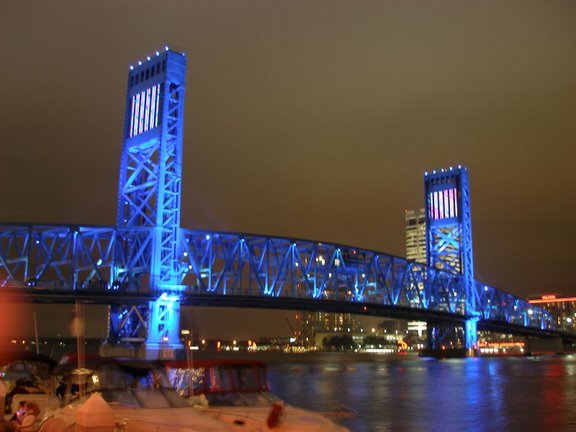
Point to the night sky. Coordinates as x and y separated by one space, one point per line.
309 119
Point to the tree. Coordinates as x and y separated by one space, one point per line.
339 343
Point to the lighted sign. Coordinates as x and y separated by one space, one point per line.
551 298
144 110
443 204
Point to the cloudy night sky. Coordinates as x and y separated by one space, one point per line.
309 119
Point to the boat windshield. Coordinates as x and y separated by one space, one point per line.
132 385
223 385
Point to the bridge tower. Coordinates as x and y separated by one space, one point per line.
449 242
149 197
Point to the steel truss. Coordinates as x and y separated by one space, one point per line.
81 260
449 237
149 192
151 160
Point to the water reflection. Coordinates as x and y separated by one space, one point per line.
412 394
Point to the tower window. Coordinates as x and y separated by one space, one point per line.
144 110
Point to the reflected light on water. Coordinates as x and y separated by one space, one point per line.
412 394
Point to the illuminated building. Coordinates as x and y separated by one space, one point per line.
314 323
416 251
563 308
416 235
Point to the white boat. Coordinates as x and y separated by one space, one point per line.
237 392
138 394
24 375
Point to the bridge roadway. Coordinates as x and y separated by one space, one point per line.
110 265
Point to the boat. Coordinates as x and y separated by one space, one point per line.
236 392
25 375
137 393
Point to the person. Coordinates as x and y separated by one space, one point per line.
61 390
29 419
19 414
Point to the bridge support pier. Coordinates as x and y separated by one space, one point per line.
471 334
149 331
450 340
164 329
444 340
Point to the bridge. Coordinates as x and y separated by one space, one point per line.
147 266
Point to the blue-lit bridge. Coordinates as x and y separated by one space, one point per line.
53 263
146 266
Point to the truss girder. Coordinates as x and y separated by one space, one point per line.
444 247
118 258
128 323
72 257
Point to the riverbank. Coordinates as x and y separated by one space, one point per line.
57 348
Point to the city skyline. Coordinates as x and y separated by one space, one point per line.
311 121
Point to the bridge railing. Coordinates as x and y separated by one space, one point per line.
118 259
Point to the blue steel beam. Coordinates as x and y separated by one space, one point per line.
81 260
449 238
150 178
149 191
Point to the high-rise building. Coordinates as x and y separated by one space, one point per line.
416 235
416 251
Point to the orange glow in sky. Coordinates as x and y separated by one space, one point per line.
14 319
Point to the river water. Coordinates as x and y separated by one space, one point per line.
408 393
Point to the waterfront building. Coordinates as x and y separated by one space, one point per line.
563 308
393 327
315 323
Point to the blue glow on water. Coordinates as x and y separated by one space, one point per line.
406 393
